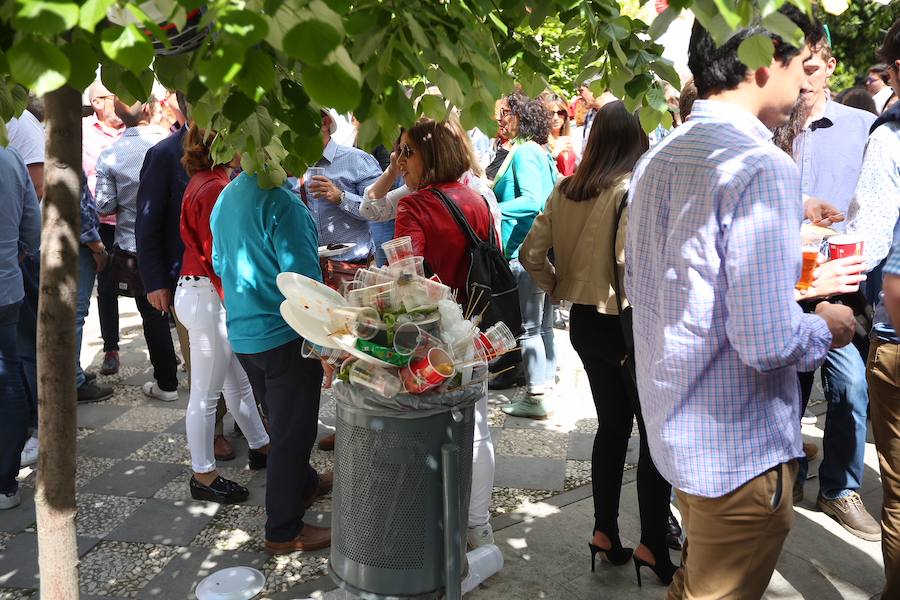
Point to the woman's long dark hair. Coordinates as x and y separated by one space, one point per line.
616 143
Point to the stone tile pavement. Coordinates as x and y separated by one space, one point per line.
140 535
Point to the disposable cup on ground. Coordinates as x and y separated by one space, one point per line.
496 340
397 249
375 378
427 372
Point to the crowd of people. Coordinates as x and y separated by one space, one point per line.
678 255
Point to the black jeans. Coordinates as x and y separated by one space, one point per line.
27 333
597 338
13 404
159 343
289 387
107 297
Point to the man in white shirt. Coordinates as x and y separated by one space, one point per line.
876 84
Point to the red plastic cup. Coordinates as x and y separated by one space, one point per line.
427 372
496 340
840 246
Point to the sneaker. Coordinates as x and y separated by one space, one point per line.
8 501
531 407
479 536
809 418
94 392
110 364
852 515
30 452
152 389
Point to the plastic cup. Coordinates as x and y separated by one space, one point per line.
840 246
330 355
427 372
371 329
374 378
368 277
412 265
810 245
410 337
398 249
382 296
344 319
307 180
496 340
417 291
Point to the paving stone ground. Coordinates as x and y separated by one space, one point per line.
140 535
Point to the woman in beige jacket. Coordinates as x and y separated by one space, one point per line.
579 224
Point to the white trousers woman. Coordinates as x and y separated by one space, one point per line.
214 370
480 532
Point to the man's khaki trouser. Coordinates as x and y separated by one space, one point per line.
883 376
734 541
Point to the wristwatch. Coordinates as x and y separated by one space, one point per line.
341 199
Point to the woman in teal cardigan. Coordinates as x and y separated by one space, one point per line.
522 186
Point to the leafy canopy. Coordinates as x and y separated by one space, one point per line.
267 66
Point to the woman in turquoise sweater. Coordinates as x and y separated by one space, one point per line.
522 186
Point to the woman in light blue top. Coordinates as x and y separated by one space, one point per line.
522 186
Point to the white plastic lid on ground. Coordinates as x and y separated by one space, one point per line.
234 583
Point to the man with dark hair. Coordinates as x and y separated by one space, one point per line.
827 141
874 215
877 86
718 335
118 169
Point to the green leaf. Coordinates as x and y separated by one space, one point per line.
756 51
174 72
416 30
662 21
257 76
616 29
128 46
7 111
728 13
311 41
337 83
237 108
83 64
244 26
649 118
570 42
664 68
48 18
222 66
399 106
433 107
449 86
145 20
784 28
39 65
638 85
656 98
130 88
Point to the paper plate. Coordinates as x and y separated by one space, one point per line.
309 294
308 325
324 252
235 583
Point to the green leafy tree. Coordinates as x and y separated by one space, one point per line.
259 79
855 35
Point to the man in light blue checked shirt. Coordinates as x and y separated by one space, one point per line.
713 255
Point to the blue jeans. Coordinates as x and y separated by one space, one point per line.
87 274
381 232
844 442
13 403
538 352
26 344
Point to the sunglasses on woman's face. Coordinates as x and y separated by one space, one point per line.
562 113
406 151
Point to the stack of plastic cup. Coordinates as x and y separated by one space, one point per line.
330 355
411 265
398 249
496 340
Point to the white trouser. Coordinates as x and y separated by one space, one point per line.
214 369
482 467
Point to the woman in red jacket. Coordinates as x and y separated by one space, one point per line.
432 156
560 139
198 304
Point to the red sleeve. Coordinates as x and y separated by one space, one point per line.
408 222
565 163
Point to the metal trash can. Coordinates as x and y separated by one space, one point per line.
387 535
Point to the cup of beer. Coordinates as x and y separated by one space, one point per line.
810 244
848 244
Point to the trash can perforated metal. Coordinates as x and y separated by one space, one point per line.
387 525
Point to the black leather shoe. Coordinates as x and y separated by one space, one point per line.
223 491
257 460
89 377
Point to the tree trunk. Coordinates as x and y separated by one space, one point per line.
55 497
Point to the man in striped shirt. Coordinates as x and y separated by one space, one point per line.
713 255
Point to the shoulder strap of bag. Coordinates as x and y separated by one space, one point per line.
622 204
461 220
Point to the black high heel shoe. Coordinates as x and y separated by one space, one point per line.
615 555
665 571
257 460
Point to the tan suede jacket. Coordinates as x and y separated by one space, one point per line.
581 235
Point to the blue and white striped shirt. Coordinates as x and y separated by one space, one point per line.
352 170
712 257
